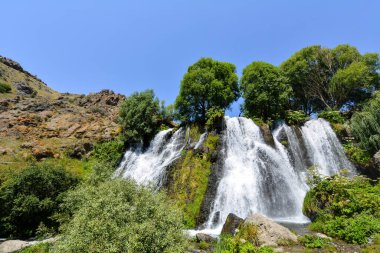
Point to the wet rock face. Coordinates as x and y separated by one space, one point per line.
232 223
376 159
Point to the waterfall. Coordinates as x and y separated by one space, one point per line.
272 180
257 177
149 167
324 148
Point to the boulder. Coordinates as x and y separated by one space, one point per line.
269 233
201 237
376 159
12 245
42 152
24 89
231 224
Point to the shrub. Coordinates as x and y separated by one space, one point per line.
236 245
31 197
119 216
334 117
296 117
345 208
313 241
214 118
110 152
366 125
5 88
357 155
38 248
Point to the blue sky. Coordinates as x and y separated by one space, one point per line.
83 46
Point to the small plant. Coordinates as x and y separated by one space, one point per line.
5 88
313 241
296 117
334 117
204 245
109 152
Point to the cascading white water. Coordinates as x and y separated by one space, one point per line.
149 167
324 148
257 177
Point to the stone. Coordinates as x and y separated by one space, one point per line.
42 152
201 237
12 245
269 233
376 159
231 224
24 89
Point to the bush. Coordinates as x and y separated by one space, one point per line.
366 125
334 117
110 152
5 88
313 241
38 248
214 118
348 209
119 216
357 155
31 197
296 117
236 245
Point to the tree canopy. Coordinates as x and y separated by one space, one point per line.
207 84
331 78
140 116
266 92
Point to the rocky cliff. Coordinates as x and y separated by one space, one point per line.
37 121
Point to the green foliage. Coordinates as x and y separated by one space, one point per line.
214 118
140 116
207 84
120 216
31 197
332 116
345 208
358 155
266 92
228 244
5 88
189 179
314 242
109 152
296 117
366 125
204 245
38 248
331 78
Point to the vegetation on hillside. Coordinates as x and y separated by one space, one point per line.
29 199
5 88
344 208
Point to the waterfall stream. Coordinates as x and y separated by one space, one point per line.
267 178
149 167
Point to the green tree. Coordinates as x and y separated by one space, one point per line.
207 84
266 92
366 124
119 216
31 198
140 116
331 78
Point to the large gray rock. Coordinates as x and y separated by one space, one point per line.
12 245
376 159
201 237
269 233
231 224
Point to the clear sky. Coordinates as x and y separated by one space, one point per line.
83 46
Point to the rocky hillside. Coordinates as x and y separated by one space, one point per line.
38 122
